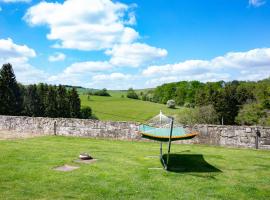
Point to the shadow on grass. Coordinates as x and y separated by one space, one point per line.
189 163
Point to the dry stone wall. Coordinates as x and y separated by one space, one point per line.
234 136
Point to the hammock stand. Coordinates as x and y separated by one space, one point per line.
165 138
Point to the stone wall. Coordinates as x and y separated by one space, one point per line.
69 127
234 136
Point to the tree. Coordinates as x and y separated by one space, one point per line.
102 92
32 102
11 100
42 90
250 114
51 102
86 113
62 102
74 103
132 94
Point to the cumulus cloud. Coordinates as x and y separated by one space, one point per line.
250 65
114 80
256 3
18 56
57 57
84 24
134 55
79 73
111 77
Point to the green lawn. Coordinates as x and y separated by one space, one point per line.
124 109
122 171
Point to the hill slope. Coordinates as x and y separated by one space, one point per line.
117 108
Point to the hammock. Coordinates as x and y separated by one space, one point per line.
163 134
163 129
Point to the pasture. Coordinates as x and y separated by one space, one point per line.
118 108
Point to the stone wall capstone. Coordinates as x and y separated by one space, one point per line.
233 136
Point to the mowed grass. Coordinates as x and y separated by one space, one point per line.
122 171
117 108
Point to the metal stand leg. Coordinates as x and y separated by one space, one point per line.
161 157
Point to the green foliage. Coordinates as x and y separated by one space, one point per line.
86 112
74 103
11 100
102 92
62 102
51 102
252 113
198 115
32 102
132 94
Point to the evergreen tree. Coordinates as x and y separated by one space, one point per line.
11 101
32 102
42 90
51 102
62 102
74 103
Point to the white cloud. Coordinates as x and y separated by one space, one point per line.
15 1
84 24
57 57
80 73
114 80
111 77
18 56
256 3
134 55
250 65
86 67
9 49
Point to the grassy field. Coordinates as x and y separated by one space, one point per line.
124 109
123 171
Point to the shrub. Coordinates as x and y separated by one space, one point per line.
198 115
171 103
251 114
132 94
86 113
102 92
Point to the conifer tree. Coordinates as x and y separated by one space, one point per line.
51 102
11 101
62 102
75 103
32 102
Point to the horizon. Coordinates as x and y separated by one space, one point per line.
121 44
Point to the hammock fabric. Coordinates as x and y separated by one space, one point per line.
163 134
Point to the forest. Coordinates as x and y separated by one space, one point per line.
41 100
235 102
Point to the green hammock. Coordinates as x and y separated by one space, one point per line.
163 134
163 129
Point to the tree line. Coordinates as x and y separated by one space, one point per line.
236 102
38 100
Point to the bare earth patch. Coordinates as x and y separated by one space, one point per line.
65 168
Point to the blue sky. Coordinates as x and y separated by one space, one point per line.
139 44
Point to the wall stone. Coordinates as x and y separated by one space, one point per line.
233 136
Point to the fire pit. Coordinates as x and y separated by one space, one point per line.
85 156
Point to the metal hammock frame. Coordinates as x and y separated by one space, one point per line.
165 163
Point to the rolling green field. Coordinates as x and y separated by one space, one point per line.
129 170
124 109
